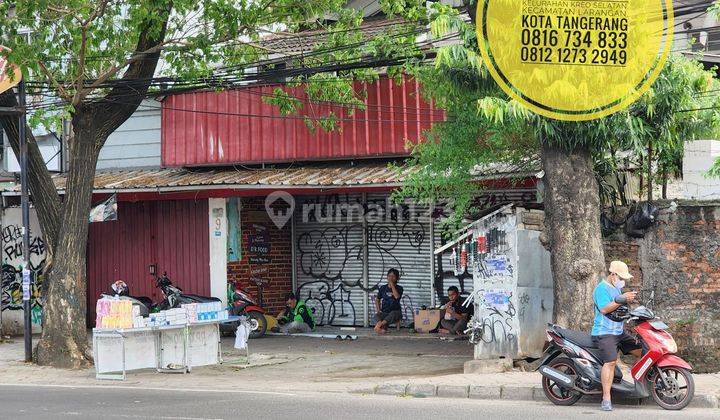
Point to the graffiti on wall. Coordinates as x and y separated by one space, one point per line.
495 323
331 258
12 261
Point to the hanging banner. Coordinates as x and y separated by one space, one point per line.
105 211
10 74
575 60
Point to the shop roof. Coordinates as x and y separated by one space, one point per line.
329 176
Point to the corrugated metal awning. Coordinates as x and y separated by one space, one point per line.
328 176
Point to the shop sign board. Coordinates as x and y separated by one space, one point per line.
552 56
10 74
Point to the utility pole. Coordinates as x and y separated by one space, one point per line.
25 205
11 76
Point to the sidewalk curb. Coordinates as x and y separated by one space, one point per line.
504 392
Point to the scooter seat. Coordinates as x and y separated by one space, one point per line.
580 338
585 341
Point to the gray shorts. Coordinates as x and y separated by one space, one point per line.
455 326
391 317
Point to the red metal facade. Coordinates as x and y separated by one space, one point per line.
237 126
172 234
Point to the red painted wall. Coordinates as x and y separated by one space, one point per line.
237 126
172 234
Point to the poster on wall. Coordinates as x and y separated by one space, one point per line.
258 248
234 252
105 211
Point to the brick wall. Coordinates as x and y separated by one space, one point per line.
679 259
273 266
627 252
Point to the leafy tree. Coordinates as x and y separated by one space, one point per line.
484 127
94 62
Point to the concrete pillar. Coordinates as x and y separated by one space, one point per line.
218 248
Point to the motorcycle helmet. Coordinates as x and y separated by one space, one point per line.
620 314
120 288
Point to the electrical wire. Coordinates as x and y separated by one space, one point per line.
273 117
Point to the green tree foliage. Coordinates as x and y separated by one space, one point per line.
486 131
77 47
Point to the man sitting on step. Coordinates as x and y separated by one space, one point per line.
456 315
296 317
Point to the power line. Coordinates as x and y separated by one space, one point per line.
283 117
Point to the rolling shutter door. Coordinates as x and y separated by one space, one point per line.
403 243
329 258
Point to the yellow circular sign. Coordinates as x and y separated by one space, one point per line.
575 60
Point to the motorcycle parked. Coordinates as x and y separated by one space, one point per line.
174 296
571 367
243 304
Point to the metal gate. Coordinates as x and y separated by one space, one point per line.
400 238
172 234
344 246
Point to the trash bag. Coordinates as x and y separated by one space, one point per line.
241 335
607 225
644 216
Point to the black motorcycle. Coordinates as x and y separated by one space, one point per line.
174 296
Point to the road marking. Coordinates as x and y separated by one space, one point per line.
150 388
131 416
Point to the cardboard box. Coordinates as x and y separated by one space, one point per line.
427 320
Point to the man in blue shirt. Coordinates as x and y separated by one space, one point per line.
609 335
387 303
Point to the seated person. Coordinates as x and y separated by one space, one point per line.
387 303
456 315
296 317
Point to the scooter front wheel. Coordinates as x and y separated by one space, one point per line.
553 391
673 388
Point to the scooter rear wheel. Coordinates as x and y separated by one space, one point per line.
676 392
258 324
553 391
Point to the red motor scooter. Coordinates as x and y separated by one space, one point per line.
571 367
242 303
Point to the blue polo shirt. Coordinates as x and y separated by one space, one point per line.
603 295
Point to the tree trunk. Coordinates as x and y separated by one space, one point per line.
572 218
64 341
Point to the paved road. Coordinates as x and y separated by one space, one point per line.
127 402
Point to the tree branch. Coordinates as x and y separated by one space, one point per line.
61 90
44 195
123 99
112 71
471 7
80 79
97 13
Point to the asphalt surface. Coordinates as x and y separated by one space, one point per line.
127 402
